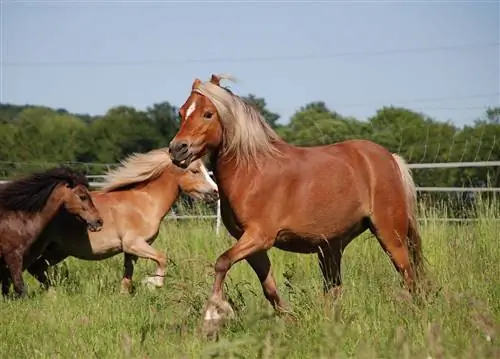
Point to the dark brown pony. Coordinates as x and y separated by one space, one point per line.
306 200
27 206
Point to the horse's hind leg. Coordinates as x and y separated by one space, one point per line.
330 257
391 232
261 265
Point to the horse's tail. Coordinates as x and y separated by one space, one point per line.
414 239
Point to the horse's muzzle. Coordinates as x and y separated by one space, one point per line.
95 226
212 196
180 153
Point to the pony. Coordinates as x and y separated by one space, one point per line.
312 200
27 206
134 199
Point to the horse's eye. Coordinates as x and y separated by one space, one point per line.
208 115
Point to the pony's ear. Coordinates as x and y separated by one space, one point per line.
196 83
215 80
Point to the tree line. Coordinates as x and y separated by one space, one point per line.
34 137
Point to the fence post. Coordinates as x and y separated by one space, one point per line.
218 220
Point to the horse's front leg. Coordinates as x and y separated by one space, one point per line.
14 262
140 248
5 279
218 309
129 261
39 268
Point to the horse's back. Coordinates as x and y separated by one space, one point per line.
330 188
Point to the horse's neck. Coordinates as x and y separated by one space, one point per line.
227 174
163 192
50 210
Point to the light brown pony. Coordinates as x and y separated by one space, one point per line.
134 200
299 199
27 205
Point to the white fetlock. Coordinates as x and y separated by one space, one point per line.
153 281
216 314
218 311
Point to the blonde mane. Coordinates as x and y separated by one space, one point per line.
137 168
246 134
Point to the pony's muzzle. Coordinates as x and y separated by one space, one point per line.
180 154
95 226
212 195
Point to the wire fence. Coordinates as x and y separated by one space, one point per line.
95 182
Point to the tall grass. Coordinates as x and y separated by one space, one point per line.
88 318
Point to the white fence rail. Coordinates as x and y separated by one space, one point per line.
217 216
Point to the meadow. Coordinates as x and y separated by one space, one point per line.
87 317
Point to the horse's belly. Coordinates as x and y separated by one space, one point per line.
298 243
94 248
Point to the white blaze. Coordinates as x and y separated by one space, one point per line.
190 109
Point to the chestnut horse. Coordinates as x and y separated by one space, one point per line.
134 200
27 205
298 199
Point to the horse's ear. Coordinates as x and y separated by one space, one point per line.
215 80
196 83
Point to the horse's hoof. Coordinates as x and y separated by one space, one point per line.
288 315
211 329
153 282
51 292
216 314
126 286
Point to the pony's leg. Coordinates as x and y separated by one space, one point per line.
142 249
261 265
5 279
5 285
330 257
39 270
128 271
14 262
392 236
252 241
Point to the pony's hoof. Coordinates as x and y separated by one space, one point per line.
126 287
288 315
51 292
216 315
153 282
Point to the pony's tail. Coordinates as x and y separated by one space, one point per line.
414 239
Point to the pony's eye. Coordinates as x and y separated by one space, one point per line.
208 115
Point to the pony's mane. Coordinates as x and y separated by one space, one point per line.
137 168
246 134
30 194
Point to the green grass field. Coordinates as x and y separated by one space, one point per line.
88 318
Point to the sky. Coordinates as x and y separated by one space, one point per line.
438 57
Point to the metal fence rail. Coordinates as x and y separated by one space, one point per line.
94 182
